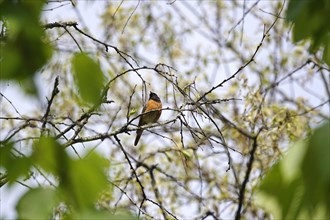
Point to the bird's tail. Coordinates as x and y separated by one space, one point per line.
138 135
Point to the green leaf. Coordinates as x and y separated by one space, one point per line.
15 166
132 112
186 153
326 53
96 214
311 22
282 184
294 8
299 185
85 182
316 169
5 155
88 77
50 156
80 180
20 166
23 52
168 156
37 204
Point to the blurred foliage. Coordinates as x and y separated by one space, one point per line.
16 166
298 186
311 21
80 181
23 49
89 78
37 203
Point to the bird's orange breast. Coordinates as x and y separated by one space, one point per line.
152 116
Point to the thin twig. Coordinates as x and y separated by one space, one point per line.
130 16
265 34
50 101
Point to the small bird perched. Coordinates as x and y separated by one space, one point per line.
154 107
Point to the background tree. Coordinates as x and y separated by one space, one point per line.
235 93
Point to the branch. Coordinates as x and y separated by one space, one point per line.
130 16
11 104
210 213
243 17
265 34
60 24
133 170
123 129
156 191
54 93
247 176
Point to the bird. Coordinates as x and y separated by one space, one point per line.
154 109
